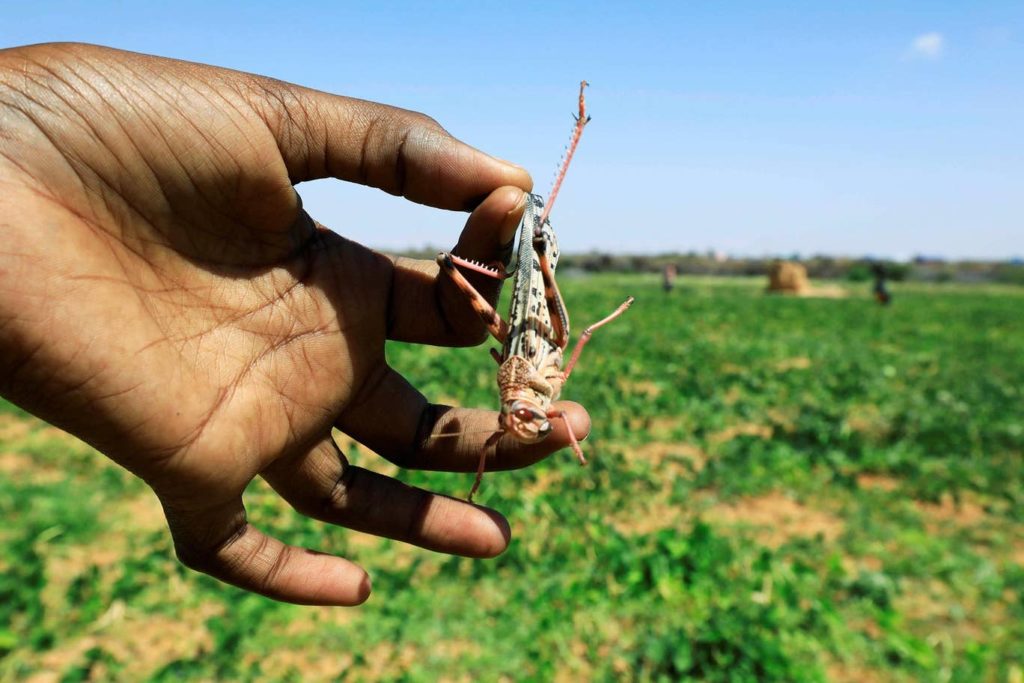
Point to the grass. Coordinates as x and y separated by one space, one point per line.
780 489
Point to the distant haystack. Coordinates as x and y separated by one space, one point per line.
786 277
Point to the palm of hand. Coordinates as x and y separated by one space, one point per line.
174 305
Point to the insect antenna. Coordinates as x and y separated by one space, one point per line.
582 119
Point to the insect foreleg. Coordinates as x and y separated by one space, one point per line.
495 325
491 441
573 443
585 337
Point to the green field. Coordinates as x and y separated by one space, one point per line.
779 489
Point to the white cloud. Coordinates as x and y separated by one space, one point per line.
927 46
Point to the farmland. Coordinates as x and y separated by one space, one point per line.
780 489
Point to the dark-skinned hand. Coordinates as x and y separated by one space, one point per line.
164 297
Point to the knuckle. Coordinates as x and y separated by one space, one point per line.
417 120
208 558
352 497
339 498
274 563
430 420
196 559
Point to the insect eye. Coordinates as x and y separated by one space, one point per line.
524 414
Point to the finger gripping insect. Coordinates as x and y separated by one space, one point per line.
536 334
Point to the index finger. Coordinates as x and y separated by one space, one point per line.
402 152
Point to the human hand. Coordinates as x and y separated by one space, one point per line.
164 297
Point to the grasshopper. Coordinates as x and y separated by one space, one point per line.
536 334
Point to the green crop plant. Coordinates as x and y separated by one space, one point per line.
779 488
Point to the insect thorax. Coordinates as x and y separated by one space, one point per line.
517 378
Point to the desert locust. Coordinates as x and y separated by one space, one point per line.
536 334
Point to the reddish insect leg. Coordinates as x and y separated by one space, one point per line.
495 325
585 337
553 297
573 443
491 441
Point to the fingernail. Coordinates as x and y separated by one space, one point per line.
520 203
365 588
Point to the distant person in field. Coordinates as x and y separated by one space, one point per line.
881 292
165 297
668 278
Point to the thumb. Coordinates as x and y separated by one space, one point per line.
401 152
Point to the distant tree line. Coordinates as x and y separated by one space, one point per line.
818 267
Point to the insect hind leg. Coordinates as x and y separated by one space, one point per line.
495 325
585 337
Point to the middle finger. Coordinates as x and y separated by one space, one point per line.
322 484
393 419
425 306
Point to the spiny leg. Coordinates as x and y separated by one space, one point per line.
495 325
491 441
573 443
585 337
552 295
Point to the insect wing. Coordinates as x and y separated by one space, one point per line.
529 319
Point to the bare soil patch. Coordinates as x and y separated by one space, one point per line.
649 514
310 664
795 363
826 292
732 395
868 420
934 607
783 417
654 511
1017 554
743 429
13 427
661 428
24 468
877 482
963 513
850 672
855 564
142 643
141 514
667 457
647 517
643 387
544 480
776 518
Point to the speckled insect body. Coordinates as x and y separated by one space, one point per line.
536 333
530 374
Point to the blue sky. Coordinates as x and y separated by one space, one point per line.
848 128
